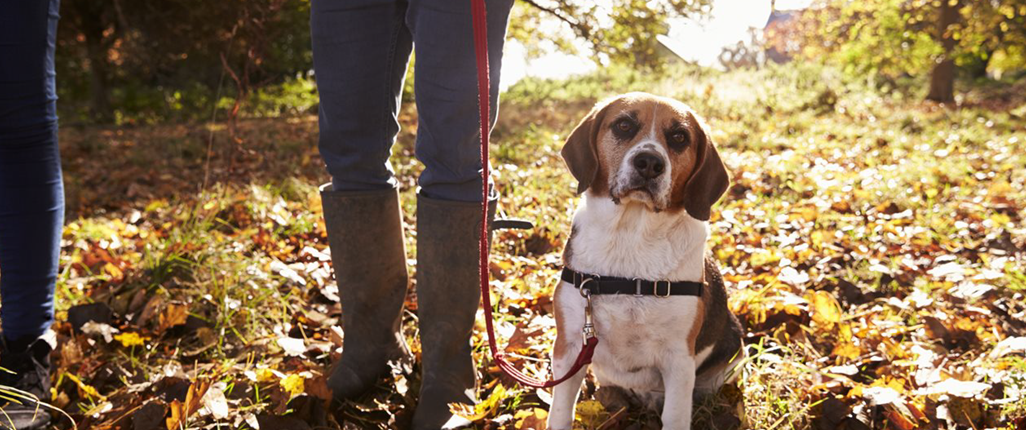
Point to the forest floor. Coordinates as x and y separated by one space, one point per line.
872 244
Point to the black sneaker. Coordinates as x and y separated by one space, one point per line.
24 381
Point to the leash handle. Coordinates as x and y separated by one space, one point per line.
483 100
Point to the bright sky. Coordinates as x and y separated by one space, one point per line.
700 41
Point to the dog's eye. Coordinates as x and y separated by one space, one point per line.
624 128
624 125
678 139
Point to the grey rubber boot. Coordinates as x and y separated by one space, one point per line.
365 232
448 293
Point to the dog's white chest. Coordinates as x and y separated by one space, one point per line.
638 335
632 242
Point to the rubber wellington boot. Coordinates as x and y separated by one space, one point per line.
25 380
448 293
365 232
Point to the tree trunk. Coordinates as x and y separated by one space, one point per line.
942 81
92 25
99 102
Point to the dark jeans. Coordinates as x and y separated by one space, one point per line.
361 49
31 187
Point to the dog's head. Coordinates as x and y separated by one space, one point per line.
641 148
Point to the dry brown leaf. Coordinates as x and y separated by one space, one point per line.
180 412
174 314
532 419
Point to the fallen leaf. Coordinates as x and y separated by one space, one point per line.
879 396
174 314
105 331
130 339
84 388
825 309
482 409
292 384
1010 345
591 413
292 346
791 276
181 411
287 272
531 419
954 387
214 403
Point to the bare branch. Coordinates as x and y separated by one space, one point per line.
580 28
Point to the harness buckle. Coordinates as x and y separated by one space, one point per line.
637 287
655 289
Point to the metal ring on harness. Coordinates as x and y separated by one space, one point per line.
584 291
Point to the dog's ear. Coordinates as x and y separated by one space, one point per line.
580 151
708 180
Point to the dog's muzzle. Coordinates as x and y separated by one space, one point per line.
646 173
648 165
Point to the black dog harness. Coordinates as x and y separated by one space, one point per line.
602 285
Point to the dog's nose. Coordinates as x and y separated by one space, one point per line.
649 165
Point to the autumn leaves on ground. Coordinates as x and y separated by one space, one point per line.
873 248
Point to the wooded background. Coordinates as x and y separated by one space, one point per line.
160 59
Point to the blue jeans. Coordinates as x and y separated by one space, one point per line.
360 52
31 186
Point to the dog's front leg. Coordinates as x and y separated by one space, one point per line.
570 309
564 396
679 383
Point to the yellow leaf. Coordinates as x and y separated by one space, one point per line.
893 383
1000 219
825 309
483 409
591 413
845 347
130 339
265 374
86 388
113 271
292 384
156 204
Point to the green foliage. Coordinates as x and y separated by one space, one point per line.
891 38
145 61
294 96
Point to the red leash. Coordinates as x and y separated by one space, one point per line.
483 94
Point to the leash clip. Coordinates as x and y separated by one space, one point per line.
589 325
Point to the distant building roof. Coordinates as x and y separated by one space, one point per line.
781 16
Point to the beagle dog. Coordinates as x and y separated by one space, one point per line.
636 264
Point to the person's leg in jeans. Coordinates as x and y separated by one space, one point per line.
361 49
31 201
449 200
